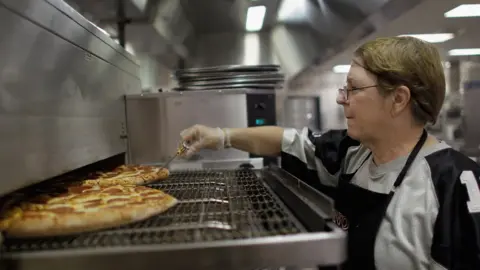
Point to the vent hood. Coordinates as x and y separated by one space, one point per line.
310 32
157 28
297 34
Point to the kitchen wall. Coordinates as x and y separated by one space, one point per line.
470 87
154 74
325 86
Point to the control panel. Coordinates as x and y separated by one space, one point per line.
261 111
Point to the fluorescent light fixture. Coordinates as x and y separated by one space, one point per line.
140 4
252 45
433 38
292 11
461 52
255 16
341 68
466 10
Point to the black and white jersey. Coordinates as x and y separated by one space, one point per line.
433 220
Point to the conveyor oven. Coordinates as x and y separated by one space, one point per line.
227 219
63 116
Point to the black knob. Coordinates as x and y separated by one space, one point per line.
260 106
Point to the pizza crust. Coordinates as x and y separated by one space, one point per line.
74 223
130 175
84 209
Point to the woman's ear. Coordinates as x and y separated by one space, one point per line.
400 100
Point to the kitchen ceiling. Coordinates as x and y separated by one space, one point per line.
320 29
465 29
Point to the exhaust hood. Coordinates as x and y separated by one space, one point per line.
320 29
297 34
155 27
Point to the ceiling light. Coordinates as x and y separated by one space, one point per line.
460 52
341 68
433 38
292 11
255 16
467 10
140 4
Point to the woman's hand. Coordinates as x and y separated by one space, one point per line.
262 141
200 137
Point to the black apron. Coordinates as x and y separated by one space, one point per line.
361 211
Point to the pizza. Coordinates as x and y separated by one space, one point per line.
83 208
129 175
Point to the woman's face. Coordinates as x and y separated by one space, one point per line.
365 109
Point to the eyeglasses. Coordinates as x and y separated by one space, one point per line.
343 92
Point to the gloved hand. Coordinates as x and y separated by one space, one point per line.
202 137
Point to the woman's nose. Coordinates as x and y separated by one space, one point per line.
341 99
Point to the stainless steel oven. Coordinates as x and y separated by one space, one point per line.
155 120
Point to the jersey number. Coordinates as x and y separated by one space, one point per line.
470 181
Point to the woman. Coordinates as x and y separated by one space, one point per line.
408 200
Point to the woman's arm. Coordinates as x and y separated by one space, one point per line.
300 150
263 141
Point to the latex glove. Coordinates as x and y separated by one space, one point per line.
201 137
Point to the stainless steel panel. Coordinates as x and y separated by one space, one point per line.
214 16
300 112
296 48
61 94
232 49
155 121
154 74
56 16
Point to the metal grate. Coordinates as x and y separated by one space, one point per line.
214 205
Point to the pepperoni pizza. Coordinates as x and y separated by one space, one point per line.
83 208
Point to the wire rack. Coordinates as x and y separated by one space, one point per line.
213 205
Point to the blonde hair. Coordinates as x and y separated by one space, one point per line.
410 62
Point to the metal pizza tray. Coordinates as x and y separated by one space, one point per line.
230 75
256 86
227 82
230 68
225 219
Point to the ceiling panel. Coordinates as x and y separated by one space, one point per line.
427 17
216 16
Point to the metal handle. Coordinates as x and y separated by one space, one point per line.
182 148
